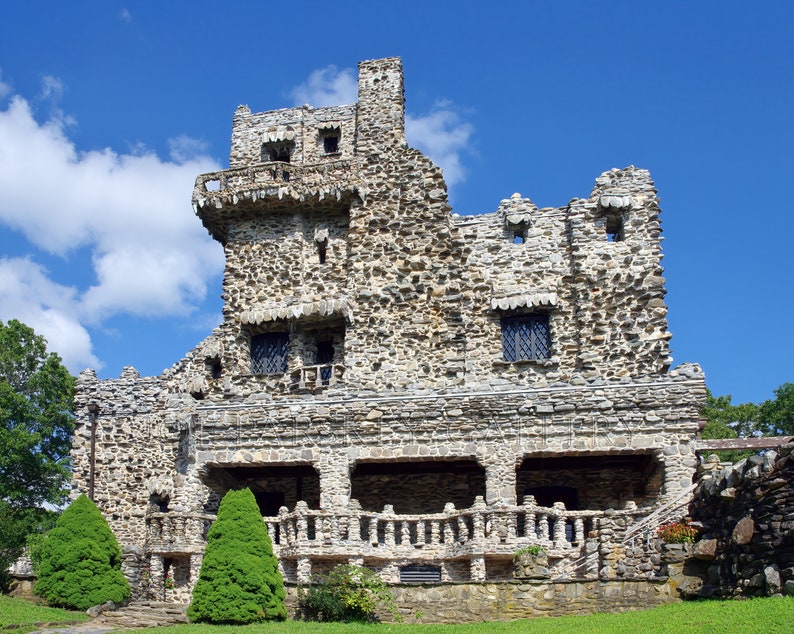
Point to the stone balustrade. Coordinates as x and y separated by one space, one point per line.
177 532
476 529
336 173
311 378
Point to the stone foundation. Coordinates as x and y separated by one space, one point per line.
506 601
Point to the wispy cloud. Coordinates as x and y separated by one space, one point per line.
131 212
327 86
5 89
442 134
126 15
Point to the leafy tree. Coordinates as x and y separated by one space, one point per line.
239 580
36 425
80 560
725 420
777 416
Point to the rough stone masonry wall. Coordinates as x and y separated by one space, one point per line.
747 511
478 602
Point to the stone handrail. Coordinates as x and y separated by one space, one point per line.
177 531
314 377
453 532
271 174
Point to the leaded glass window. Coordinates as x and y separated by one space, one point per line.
269 353
526 337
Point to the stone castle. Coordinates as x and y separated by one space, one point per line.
401 387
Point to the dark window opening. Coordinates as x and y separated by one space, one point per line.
331 144
416 573
325 356
269 353
160 502
615 229
519 236
321 251
526 337
277 152
214 368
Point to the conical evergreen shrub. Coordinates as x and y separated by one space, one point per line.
81 560
239 580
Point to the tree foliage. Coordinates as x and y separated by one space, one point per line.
777 416
36 425
80 560
347 594
239 580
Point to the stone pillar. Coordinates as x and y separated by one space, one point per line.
334 470
478 568
500 477
304 569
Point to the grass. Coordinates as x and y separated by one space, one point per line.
723 617
767 616
26 615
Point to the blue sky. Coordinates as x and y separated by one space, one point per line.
108 111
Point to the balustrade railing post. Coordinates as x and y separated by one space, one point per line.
447 532
543 527
373 530
388 512
435 532
560 539
578 527
478 519
301 509
420 533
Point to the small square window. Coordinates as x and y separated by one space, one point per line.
526 337
269 353
331 144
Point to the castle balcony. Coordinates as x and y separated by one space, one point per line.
313 378
177 532
276 181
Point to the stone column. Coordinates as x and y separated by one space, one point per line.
334 470
500 477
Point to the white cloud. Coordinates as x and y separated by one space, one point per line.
442 134
131 211
126 15
27 294
327 87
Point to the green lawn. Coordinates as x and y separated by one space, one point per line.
721 617
25 614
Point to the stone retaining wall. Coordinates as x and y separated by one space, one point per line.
470 602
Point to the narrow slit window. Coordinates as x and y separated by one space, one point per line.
615 229
322 248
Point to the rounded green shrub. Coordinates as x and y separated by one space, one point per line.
80 560
239 580
348 593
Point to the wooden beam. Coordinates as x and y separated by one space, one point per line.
764 442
